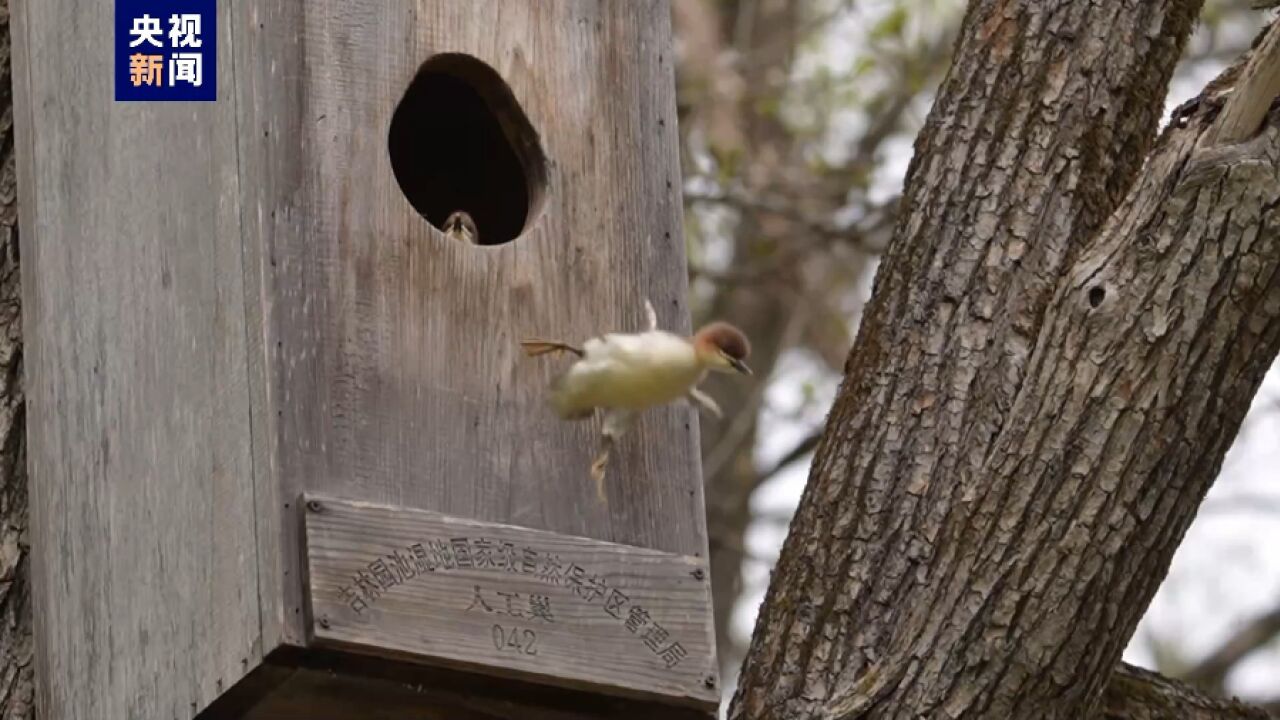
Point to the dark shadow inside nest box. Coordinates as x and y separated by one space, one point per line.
460 141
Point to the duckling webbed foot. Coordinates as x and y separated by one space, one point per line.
698 397
616 424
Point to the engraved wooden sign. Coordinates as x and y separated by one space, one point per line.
532 604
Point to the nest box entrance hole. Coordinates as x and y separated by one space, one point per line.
460 141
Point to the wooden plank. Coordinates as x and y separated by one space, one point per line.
517 602
144 569
268 97
393 370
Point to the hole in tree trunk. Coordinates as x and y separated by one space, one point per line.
1096 295
460 142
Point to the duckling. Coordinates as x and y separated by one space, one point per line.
626 373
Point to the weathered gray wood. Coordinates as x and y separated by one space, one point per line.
233 303
268 97
530 604
144 566
394 373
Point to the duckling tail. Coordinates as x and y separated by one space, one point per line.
535 347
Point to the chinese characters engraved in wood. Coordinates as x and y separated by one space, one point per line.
368 584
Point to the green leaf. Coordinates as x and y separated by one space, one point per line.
891 25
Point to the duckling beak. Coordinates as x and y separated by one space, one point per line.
740 366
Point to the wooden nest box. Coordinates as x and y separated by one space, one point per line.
287 459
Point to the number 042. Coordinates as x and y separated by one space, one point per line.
518 640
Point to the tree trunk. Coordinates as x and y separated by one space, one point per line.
1053 364
17 689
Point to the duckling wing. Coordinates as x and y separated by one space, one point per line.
633 370
639 351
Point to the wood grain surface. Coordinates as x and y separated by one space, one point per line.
229 304
530 604
144 573
392 371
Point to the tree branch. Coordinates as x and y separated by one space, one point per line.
786 209
1255 91
1212 671
1137 694
744 423
1058 353
801 449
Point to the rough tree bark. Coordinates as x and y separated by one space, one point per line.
1058 353
1136 694
17 689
